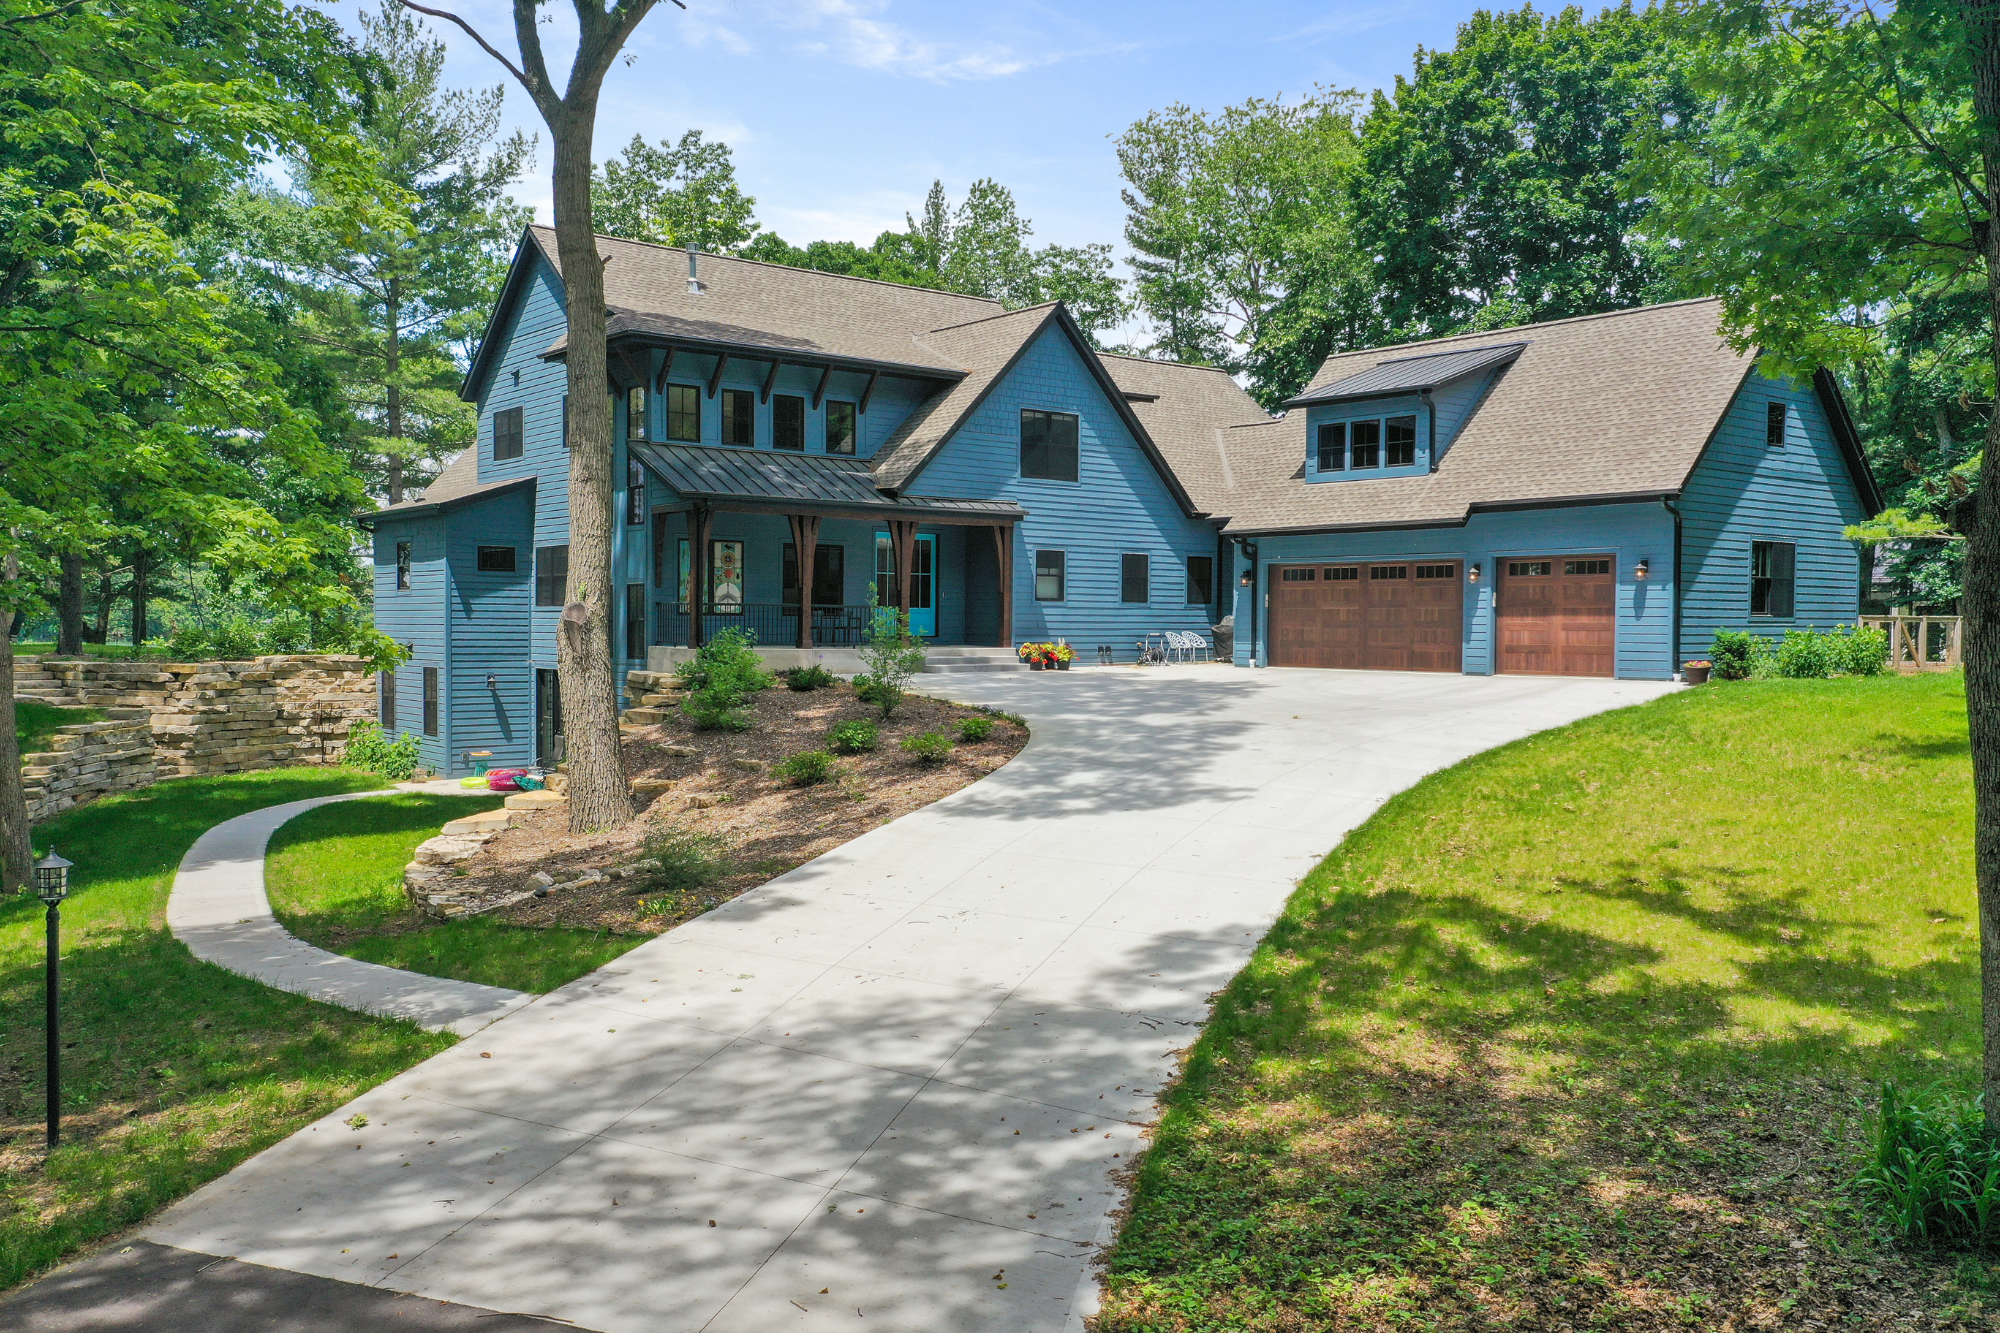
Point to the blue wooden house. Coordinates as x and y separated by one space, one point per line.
1586 497
795 449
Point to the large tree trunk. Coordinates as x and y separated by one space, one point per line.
141 585
598 797
69 605
392 365
1982 571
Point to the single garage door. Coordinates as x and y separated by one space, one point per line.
1558 617
1399 616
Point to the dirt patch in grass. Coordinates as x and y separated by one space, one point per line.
1583 1033
764 825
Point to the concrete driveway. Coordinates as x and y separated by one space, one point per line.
888 1090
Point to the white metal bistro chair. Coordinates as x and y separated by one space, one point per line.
1191 647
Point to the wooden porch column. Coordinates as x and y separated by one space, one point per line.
1003 550
805 541
903 541
701 522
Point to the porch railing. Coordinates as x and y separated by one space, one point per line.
1920 643
774 625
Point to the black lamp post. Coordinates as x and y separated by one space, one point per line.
52 886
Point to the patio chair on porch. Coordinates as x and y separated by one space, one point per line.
1189 647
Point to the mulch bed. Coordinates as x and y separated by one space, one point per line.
765 826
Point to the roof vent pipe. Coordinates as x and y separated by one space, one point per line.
694 278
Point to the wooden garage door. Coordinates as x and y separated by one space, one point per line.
1400 616
1558 616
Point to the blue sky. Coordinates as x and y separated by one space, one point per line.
841 112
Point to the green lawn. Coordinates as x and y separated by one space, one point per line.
335 877
1578 1034
174 1070
35 723
118 652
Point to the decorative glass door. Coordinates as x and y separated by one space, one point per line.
923 582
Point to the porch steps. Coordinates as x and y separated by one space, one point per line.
962 661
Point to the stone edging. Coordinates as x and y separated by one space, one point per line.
218 908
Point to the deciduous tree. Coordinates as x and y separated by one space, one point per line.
676 194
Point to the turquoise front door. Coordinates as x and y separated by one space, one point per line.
923 582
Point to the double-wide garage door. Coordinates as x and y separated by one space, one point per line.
1554 616
1398 616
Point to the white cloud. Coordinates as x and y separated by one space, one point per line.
852 33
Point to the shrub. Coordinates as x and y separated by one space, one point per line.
1867 652
716 708
1734 653
805 769
973 730
728 660
804 679
370 749
1936 1169
893 655
928 747
688 861
1804 655
853 737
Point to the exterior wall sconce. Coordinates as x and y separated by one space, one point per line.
1644 571
492 683
1472 571
1248 580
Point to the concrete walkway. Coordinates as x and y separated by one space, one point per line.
888 1090
218 908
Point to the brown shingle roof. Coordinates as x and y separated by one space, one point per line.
1618 404
458 482
750 304
983 348
1193 414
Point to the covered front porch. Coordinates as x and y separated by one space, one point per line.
803 553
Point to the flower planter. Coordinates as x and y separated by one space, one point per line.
1696 673
1035 665
1062 664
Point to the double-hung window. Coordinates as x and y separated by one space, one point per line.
684 413
1775 418
635 412
635 491
551 575
402 566
1400 435
1367 438
386 709
1333 446
739 417
1048 445
1772 566
1200 580
1049 576
1134 583
788 422
430 701
506 434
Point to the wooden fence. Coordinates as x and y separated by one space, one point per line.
1920 643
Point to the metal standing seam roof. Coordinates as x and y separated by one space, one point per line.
1411 374
713 472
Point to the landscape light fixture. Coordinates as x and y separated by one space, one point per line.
52 886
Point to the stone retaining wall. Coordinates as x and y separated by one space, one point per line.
195 718
90 759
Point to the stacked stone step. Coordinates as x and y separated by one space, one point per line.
34 681
649 694
87 760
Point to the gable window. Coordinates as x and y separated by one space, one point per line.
402 566
430 701
1400 434
551 575
1133 584
635 491
684 413
1200 580
1771 581
1775 417
386 709
1367 438
739 417
635 412
788 422
1048 445
1333 446
1048 576
496 560
507 434
840 428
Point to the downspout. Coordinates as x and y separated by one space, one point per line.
1249 549
1674 658
1430 428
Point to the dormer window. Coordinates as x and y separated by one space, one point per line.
1400 433
1367 444
1333 446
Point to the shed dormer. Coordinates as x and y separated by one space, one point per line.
1397 417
